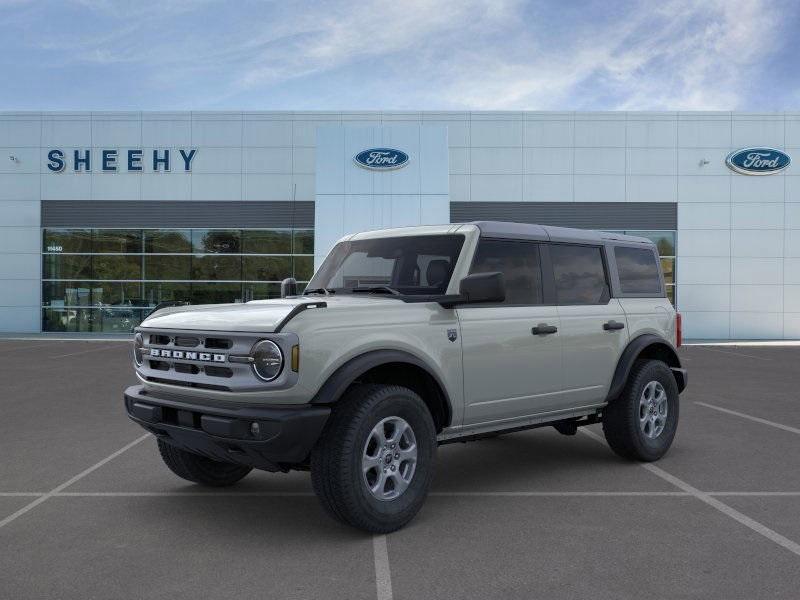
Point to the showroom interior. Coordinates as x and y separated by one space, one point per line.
105 215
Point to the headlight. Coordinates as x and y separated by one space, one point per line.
267 360
138 344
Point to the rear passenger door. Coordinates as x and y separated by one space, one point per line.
593 326
510 371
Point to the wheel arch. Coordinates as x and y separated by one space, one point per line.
646 346
395 367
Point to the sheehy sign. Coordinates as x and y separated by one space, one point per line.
134 160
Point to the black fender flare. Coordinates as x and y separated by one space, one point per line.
632 351
336 385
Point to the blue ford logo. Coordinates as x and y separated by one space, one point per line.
758 161
381 159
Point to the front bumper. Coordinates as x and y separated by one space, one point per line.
284 437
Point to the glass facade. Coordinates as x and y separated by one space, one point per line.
665 242
108 280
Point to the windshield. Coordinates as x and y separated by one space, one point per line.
409 265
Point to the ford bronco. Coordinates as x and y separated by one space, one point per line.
406 339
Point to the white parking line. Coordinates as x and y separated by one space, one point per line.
383 576
734 514
734 353
433 494
69 482
82 352
751 418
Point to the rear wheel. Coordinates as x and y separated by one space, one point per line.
373 464
200 469
641 423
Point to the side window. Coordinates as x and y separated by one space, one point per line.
519 264
580 277
638 271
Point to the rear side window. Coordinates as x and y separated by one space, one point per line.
519 264
580 277
638 271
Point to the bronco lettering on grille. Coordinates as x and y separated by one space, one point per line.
182 354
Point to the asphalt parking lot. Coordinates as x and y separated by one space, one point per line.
87 510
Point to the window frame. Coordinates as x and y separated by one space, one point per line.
609 290
548 290
618 293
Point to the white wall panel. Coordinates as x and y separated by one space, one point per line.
544 133
704 242
761 132
706 325
762 271
757 298
166 133
67 132
662 133
116 134
599 188
19 186
791 271
20 213
27 159
19 292
692 161
756 243
459 161
66 186
651 188
496 188
704 134
756 325
757 215
115 186
702 297
704 216
460 188
166 186
495 133
703 270
652 161
260 133
548 161
267 160
218 187
547 188
217 133
19 319
600 161
596 134
214 160
19 133
791 243
704 188
758 189
496 161
258 186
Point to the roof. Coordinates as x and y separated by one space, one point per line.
526 231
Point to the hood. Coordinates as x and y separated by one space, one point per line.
262 316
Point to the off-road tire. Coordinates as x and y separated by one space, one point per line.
621 417
336 467
200 469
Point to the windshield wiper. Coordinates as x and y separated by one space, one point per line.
376 289
321 290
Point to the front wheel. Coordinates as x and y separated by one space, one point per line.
641 423
199 469
373 465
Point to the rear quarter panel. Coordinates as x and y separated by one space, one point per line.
649 315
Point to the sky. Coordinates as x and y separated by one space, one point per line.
399 55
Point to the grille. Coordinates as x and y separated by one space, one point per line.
202 360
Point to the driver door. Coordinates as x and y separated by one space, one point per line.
511 350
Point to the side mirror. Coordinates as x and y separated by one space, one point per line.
288 287
483 287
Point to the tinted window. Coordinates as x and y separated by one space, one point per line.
579 274
638 270
519 264
409 264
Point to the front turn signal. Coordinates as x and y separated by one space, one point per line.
295 358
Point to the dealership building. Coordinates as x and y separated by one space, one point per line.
103 215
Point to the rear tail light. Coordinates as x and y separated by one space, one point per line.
678 330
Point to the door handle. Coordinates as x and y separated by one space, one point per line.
544 329
611 325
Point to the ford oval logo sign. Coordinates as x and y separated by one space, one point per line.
758 161
381 159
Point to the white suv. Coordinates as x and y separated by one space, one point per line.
406 339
